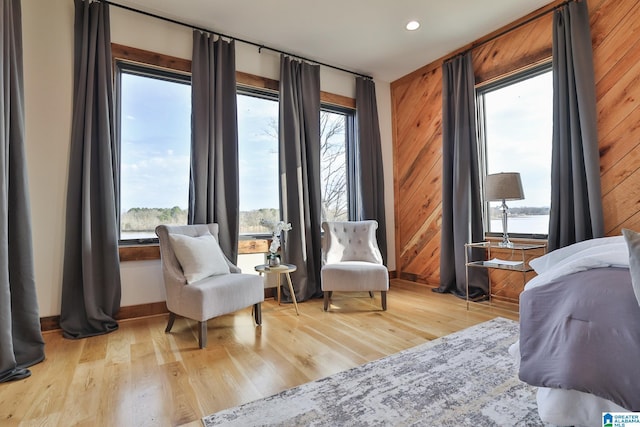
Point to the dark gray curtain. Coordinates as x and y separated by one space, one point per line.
214 182
576 196
370 184
91 276
21 343
300 198
461 202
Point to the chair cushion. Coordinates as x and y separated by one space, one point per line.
199 257
354 276
217 295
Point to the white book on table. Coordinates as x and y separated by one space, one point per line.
504 262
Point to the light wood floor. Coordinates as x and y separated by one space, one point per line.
140 376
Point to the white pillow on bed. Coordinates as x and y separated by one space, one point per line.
199 257
581 249
581 256
633 242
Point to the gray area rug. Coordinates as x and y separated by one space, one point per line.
464 379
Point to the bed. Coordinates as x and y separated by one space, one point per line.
580 332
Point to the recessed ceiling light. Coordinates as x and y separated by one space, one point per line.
413 25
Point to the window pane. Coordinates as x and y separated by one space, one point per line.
518 131
155 131
333 166
258 162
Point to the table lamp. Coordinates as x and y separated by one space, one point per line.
502 187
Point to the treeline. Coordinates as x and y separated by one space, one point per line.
521 211
250 220
146 219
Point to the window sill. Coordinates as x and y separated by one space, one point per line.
152 251
139 252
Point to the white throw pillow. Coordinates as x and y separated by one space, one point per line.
633 241
581 249
199 257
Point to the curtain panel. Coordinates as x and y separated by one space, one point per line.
370 183
21 343
214 177
461 201
576 196
91 274
299 148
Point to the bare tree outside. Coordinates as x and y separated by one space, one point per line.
333 160
333 164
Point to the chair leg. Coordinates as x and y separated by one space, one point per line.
370 294
326 300
202 334
257 313
383 297
172 318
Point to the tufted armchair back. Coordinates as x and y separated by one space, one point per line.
350 241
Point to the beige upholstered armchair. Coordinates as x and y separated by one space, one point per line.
200 281
351 260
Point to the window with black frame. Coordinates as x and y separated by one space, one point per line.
515 117
154 116
258 157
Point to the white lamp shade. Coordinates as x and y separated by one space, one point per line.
503 186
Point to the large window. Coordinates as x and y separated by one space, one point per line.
155 133
515 121
258 160
154 113
335 126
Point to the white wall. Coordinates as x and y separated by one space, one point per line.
48 76
48 85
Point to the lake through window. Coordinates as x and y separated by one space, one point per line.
515 121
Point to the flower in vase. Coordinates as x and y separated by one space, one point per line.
276 228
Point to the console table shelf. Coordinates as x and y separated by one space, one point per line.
518 256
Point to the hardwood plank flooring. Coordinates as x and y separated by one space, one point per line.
139 376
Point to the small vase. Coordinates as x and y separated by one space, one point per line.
274 260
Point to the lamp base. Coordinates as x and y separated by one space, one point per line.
505 244
505 236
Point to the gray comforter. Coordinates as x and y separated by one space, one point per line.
582 332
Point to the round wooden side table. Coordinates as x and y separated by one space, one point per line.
278 270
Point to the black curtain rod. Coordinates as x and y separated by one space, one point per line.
508 30
205 30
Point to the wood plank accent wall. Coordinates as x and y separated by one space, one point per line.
417 127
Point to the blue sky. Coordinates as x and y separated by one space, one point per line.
522 145
156 127
258 153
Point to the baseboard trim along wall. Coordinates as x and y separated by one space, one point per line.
52 323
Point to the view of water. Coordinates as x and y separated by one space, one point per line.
133 235
533 224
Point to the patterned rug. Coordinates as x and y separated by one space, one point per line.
463 379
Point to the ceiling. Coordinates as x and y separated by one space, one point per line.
365 36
